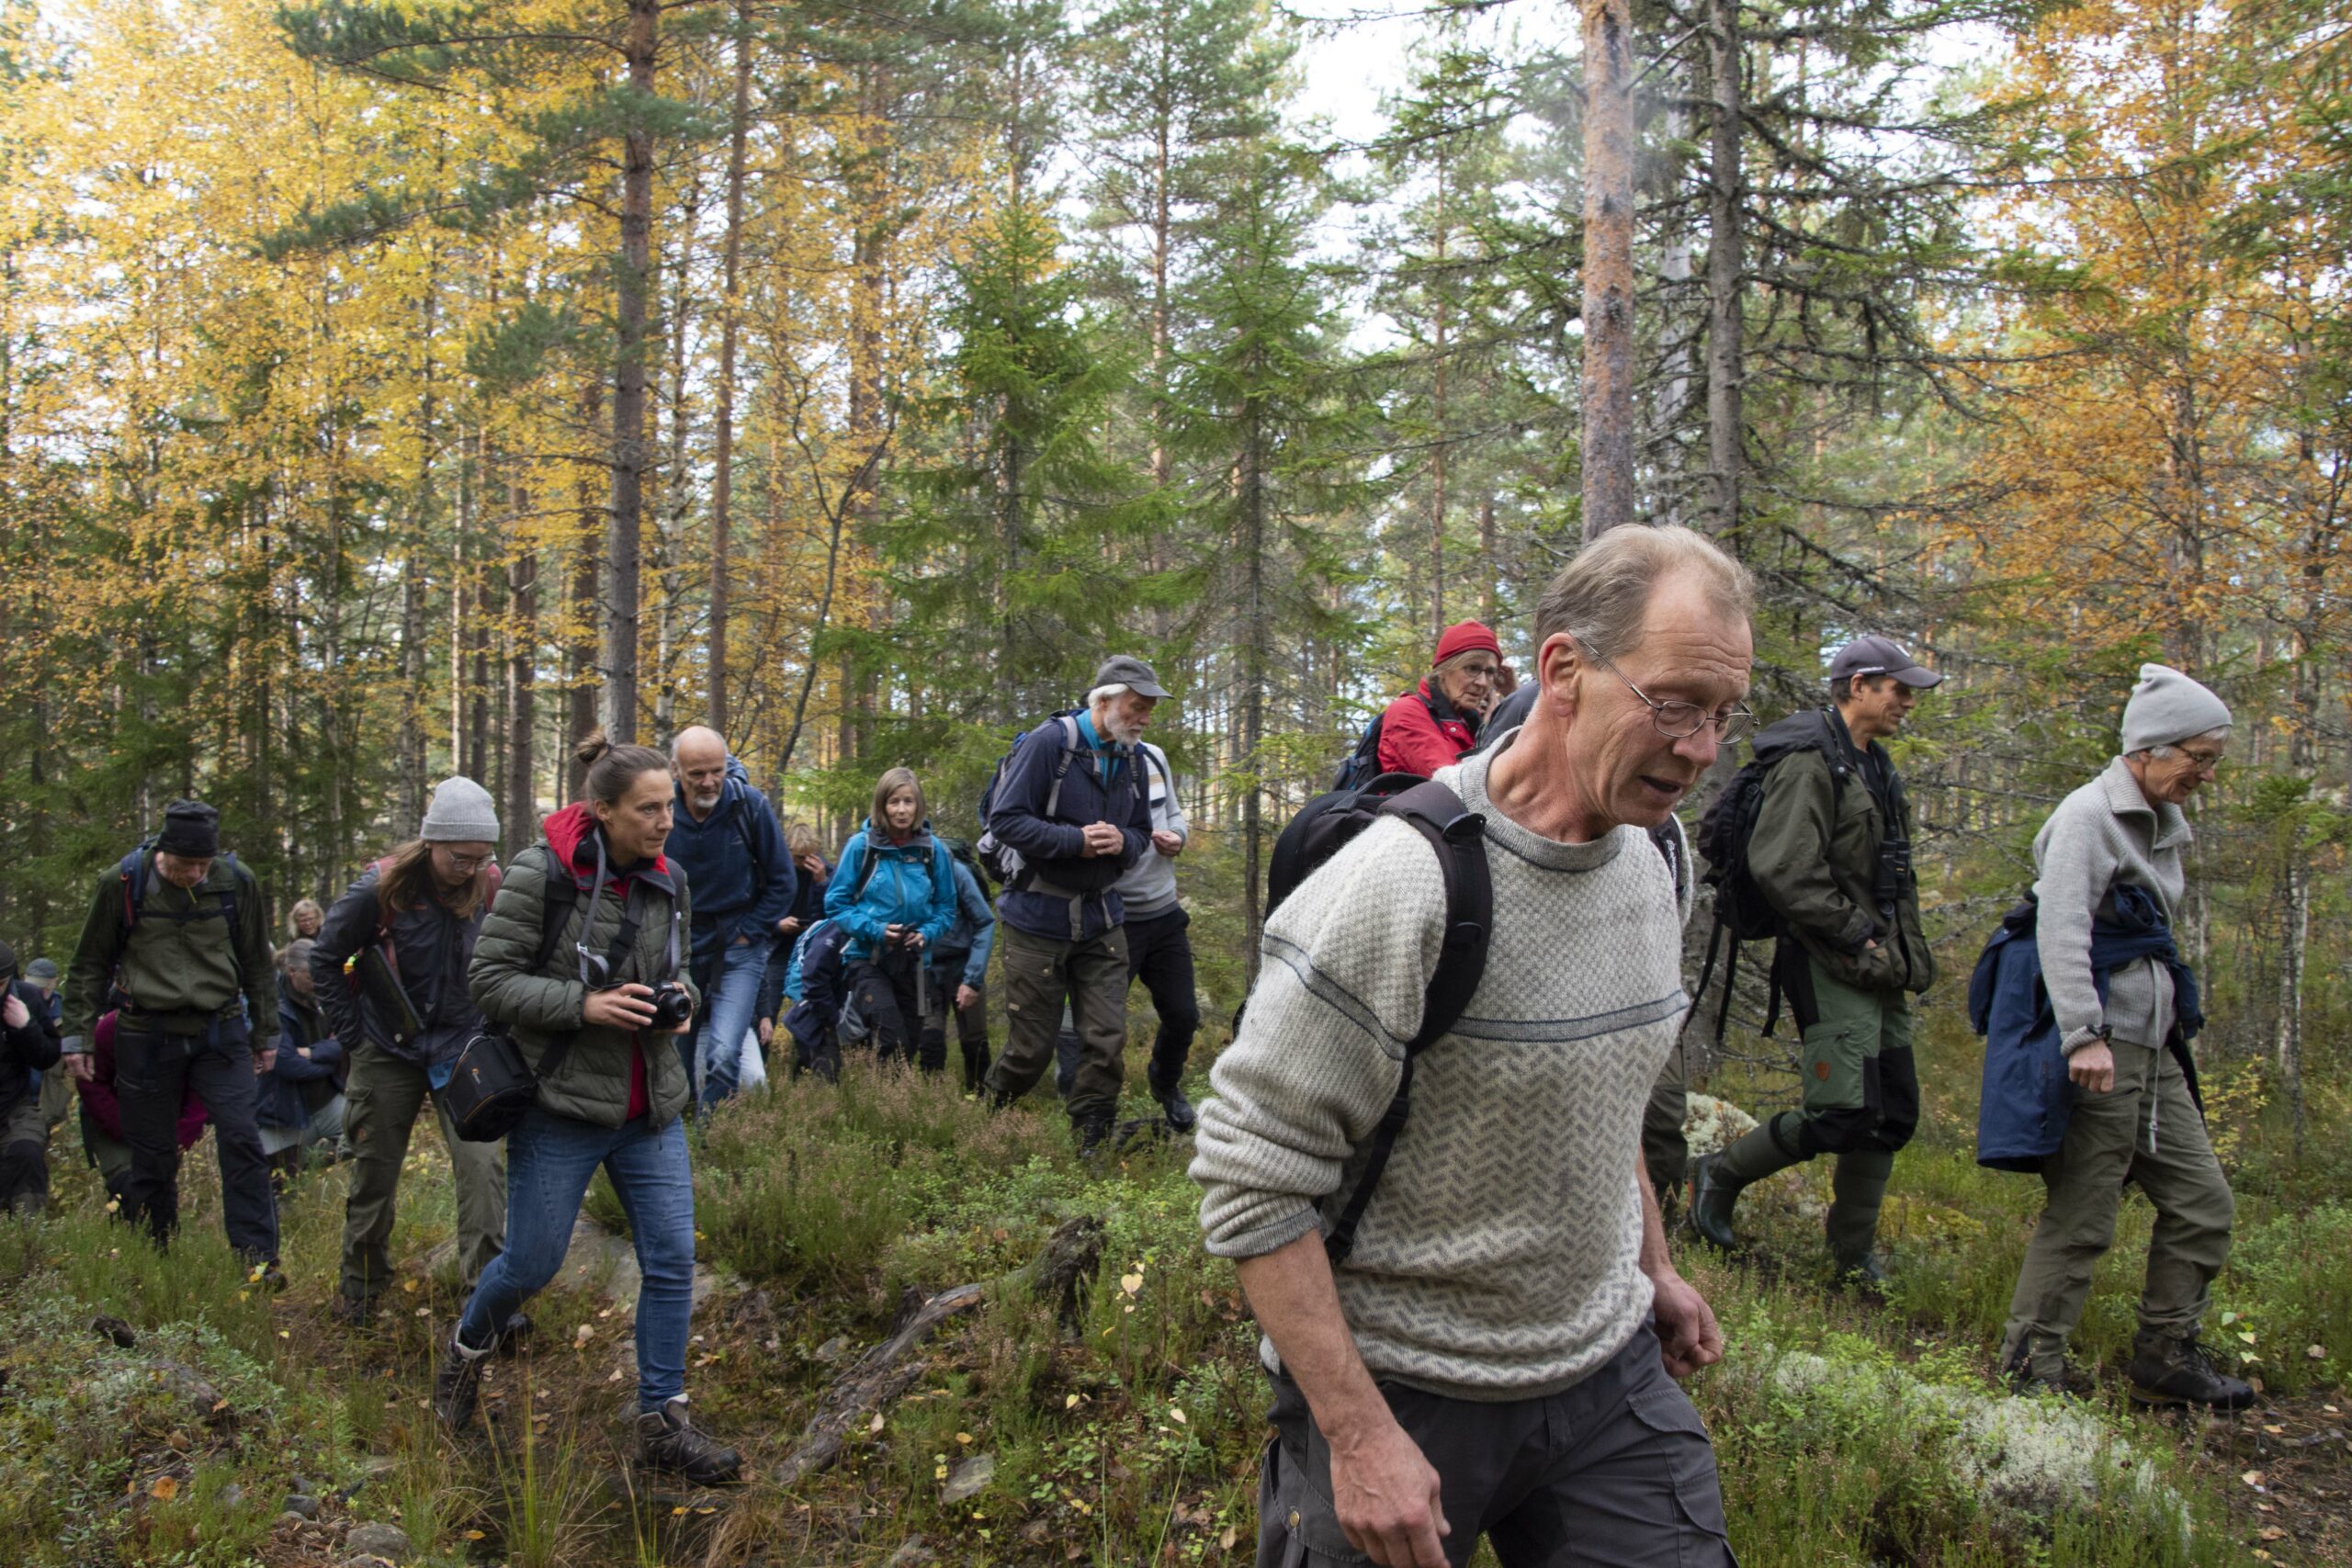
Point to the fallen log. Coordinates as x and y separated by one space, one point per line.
889 1369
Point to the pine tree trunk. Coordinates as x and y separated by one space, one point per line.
1608 267
587 610
722 481
520 813
631 305
1725 325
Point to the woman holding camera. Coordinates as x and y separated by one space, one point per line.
611 984
894 892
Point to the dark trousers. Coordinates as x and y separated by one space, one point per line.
1160 955
971 1023
24 1156
1614 1471
886 990
152 1072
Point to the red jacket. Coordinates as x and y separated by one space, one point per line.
1420 733
99 1098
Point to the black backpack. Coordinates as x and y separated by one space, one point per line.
1742 911
1320 829
1002 861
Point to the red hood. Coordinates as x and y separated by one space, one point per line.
567 833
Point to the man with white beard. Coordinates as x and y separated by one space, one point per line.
1072 804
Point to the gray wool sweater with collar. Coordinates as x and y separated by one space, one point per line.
1500 1257
2104 834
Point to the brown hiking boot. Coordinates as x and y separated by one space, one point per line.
2169 1370
667 1441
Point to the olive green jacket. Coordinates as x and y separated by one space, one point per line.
1815 854
181 965
541 1006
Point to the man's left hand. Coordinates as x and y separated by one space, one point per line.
1688 1336
14 1012
265 1060
1167 843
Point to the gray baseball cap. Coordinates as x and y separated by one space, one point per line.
1881 656
1126 669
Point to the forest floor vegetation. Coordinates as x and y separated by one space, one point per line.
160 1408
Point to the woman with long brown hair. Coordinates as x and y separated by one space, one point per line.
407 929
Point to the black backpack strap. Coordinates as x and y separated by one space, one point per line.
1458 834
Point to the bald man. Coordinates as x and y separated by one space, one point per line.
740 882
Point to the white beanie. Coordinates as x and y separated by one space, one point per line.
2168 707
461 813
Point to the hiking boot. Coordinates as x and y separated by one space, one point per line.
1092 1135
1865 1276
352 1312
2028 1375
2168 1370
1712 1194
457 1382
1181 1117
667 1441
268 1276
511 1339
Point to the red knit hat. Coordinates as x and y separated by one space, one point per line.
1464 636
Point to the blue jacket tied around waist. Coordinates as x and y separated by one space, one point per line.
2028 1097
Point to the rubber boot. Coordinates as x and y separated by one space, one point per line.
1858 1187
1720 1178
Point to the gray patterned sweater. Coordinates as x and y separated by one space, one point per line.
1500 1257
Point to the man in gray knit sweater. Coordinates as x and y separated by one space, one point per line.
1493 1357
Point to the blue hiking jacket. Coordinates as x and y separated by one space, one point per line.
813 982
2028 1099
741 874
1062 894
914 884
961 955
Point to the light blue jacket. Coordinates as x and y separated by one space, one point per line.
911 884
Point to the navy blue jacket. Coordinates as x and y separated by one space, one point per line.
817 979
961 955
1063 895
2028 1099
735 861
280 1095
24 1053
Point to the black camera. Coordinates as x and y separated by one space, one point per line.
672 1006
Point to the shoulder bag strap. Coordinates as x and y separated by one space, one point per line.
1458 834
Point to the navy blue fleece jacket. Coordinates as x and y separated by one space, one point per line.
735 863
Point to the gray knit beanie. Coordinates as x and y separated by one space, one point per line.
461 812
2168 707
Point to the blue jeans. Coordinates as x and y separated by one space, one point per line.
714 1052
549 1159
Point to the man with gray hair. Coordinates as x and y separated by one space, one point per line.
1067 816
2117 840
1494 1353
741 873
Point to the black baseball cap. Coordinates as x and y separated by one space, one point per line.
1881 656
1126 669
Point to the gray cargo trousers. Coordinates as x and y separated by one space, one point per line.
1614 1471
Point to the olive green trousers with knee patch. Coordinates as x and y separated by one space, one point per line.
382 1101
2144 1130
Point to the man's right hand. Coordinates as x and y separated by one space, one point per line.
623 1006
2093 1066
1386 1493
789 926
1102 839
14 1012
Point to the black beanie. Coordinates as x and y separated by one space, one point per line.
191 830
